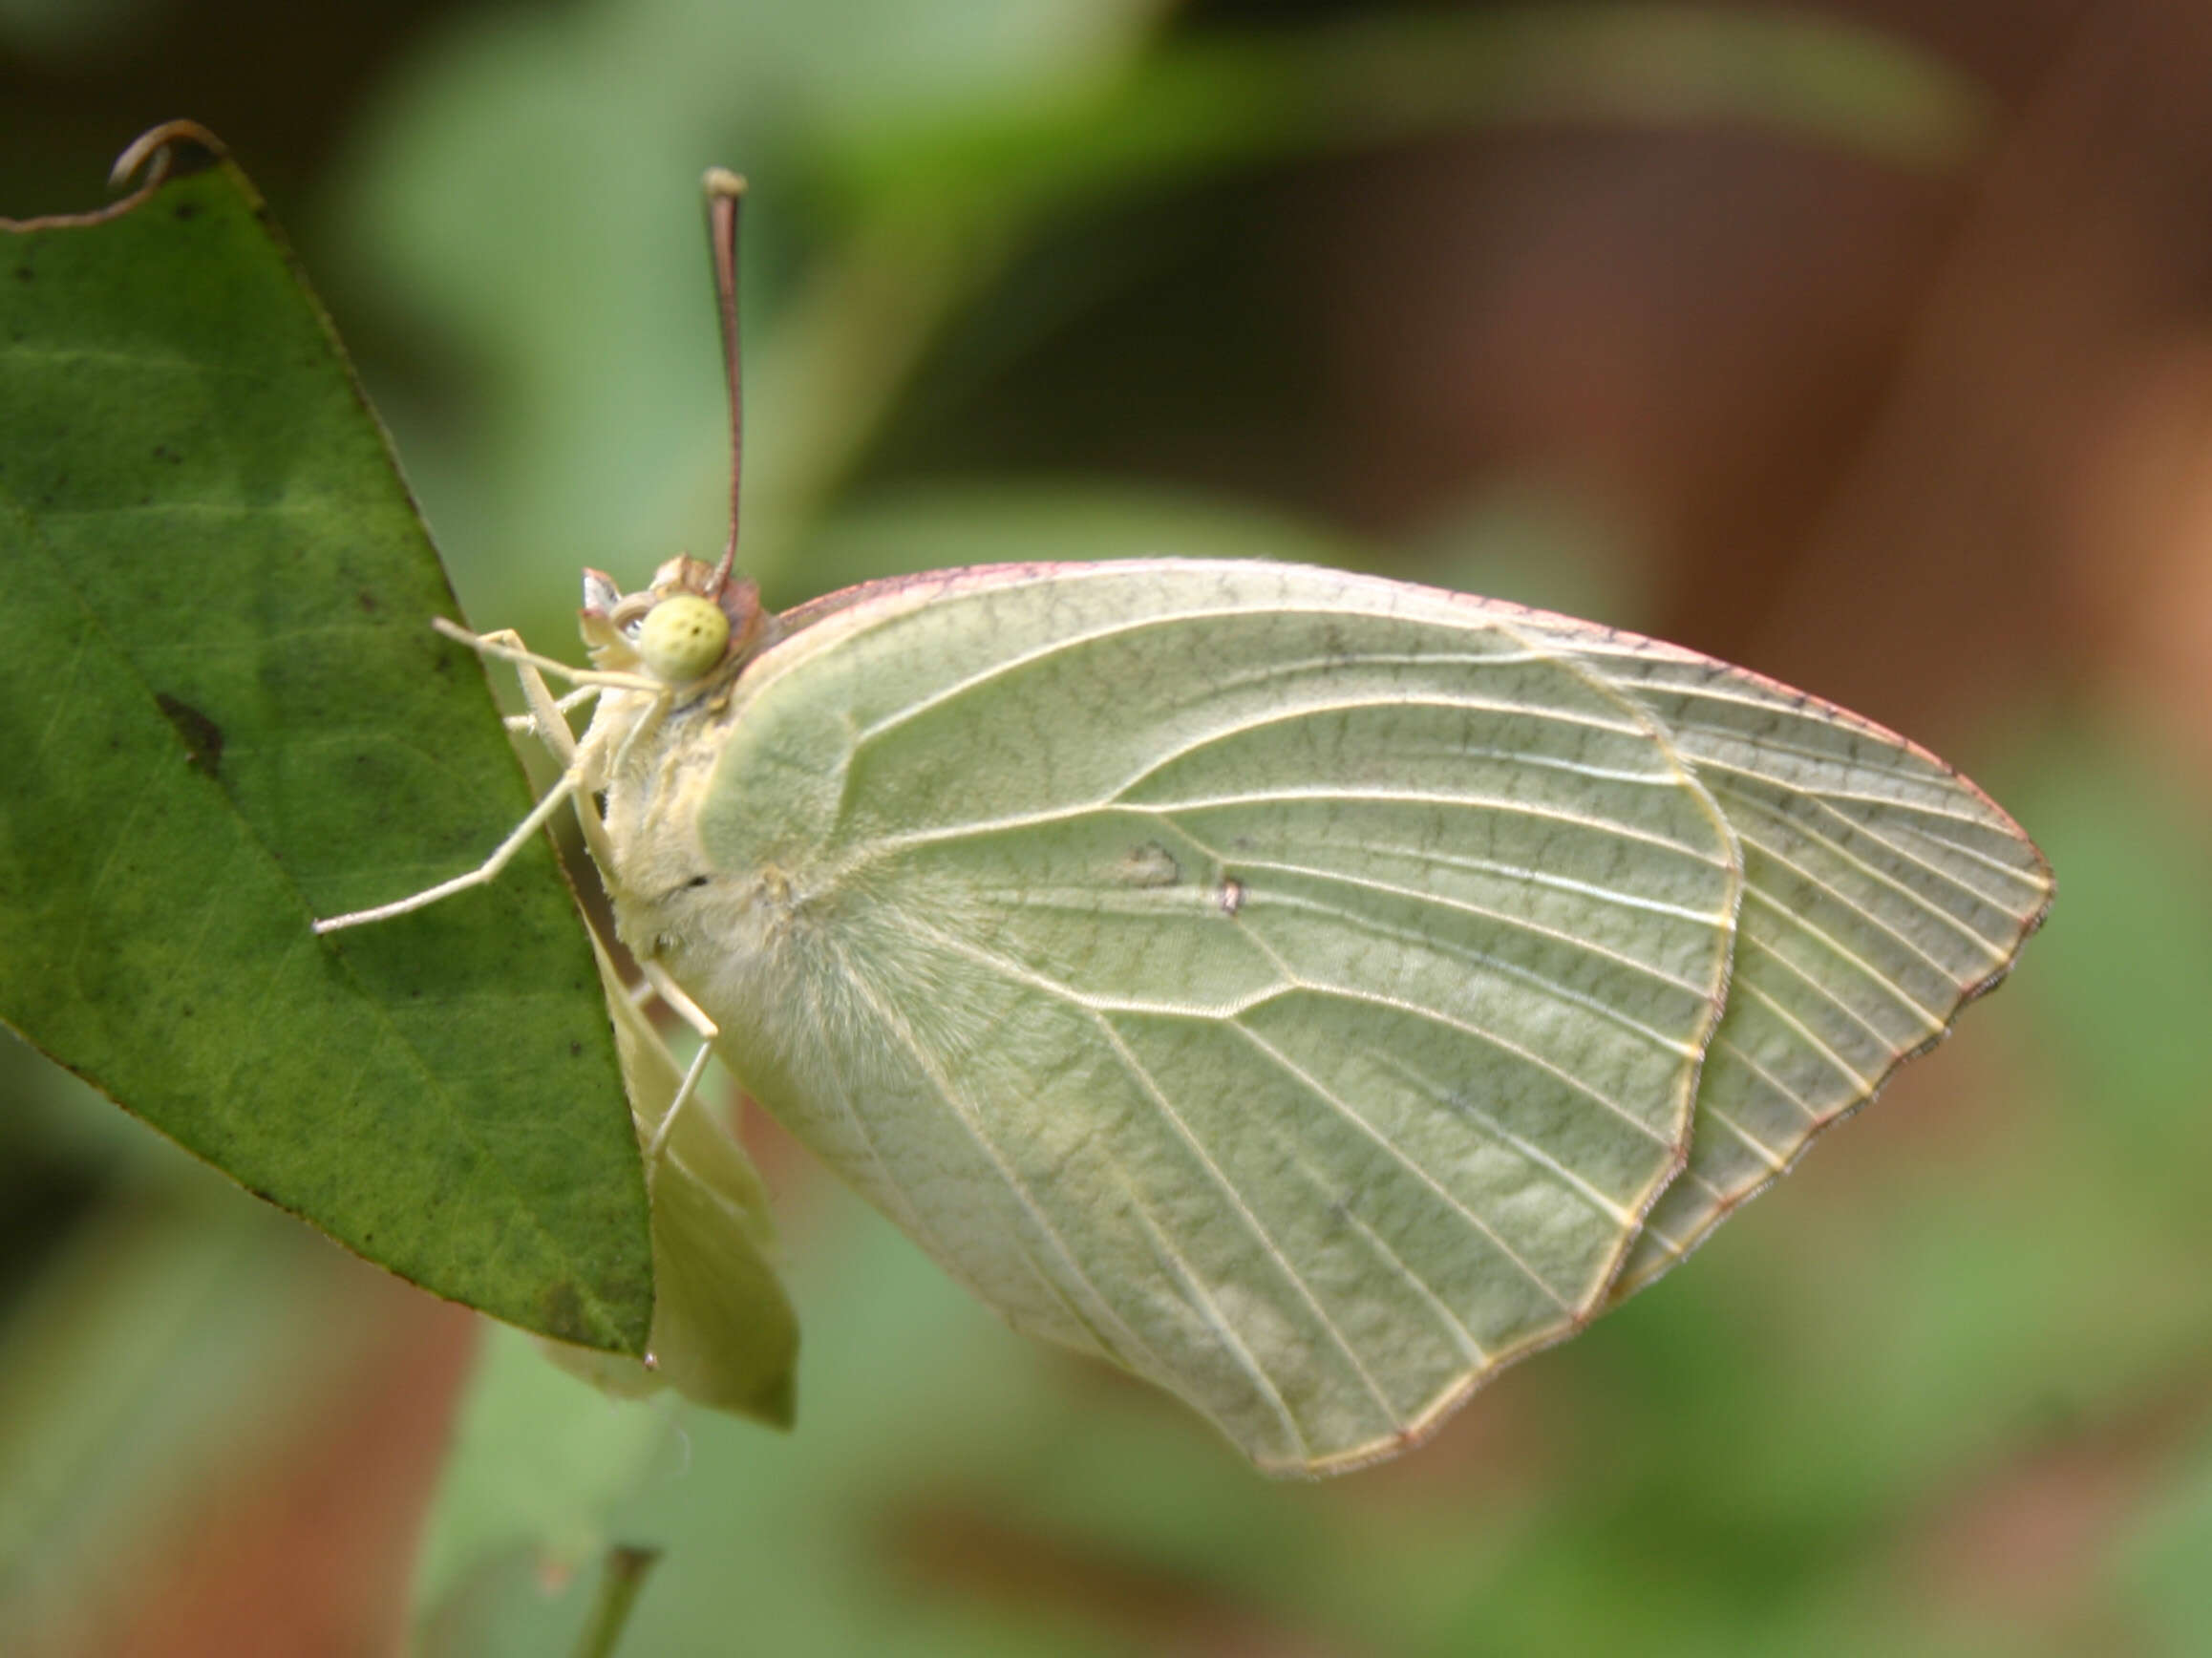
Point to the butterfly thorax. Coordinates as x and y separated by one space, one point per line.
649 752
718 924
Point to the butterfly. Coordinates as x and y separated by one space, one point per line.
1309 992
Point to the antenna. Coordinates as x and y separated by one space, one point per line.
725 193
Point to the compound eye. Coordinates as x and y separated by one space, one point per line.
682 638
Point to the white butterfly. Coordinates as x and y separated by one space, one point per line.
1309 992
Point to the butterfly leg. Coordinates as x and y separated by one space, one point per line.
506 645
485 872
693 1015
548 721
582 766
530 722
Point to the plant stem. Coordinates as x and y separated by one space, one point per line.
627 1567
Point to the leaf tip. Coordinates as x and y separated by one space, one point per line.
159 152
777 1405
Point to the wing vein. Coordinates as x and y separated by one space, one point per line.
1234 729
1146 1080
1767 1153
1162 811
1320 1091
1817 1119
1175 619
1202 1300
1536 929
1454 1326
1564 883
1863 1084
1527 1148
969 1121
1835 947
1826 994
1769 850
1770 811
1490 1038
1428 797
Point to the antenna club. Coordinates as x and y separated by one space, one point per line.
721 181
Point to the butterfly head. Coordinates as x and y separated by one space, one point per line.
684 628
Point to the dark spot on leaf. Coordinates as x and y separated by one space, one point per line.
366 599
186 209
575 1049
23 274
162 452
203 738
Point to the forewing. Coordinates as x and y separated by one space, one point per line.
1882 892
1289 985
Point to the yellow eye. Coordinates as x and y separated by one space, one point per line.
682 638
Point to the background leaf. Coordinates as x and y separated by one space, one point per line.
539 1461
228 715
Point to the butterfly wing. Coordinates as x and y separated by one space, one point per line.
1882 892
1289 985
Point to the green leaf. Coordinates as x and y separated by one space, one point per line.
228 714
539 1461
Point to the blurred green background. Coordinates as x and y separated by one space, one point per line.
1870 346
